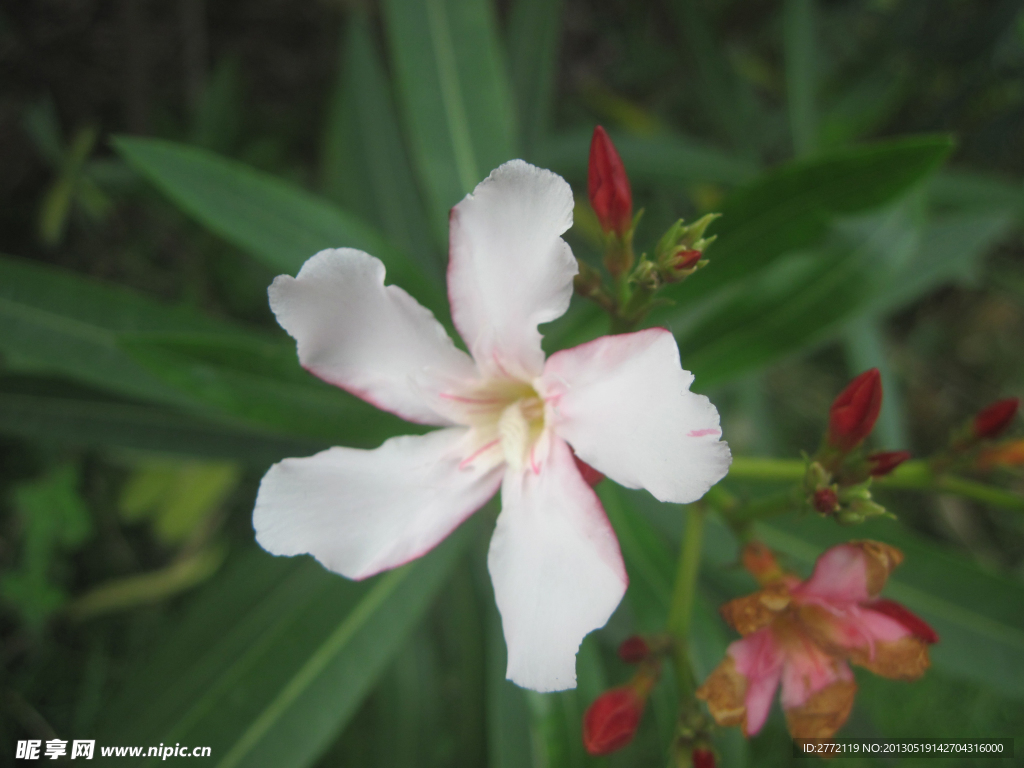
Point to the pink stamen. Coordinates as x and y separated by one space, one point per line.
533 460
474 400
473 456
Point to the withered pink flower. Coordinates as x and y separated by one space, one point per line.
802 634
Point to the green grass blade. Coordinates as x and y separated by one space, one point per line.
534 32
802 66
55 412
267 675
454 96
270 219
791 207
366 166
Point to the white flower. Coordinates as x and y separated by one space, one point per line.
508 418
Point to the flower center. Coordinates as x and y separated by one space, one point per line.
519 427
506 420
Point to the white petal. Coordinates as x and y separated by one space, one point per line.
508 269
556 568
624 404
362 512
374 341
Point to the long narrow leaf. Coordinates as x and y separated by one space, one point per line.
366 166
792 206
454 95
801 74
533 36
273 221
268 676
57 413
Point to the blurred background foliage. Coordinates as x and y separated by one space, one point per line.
161 162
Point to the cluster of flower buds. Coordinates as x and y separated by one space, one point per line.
612 720
678 254
838 478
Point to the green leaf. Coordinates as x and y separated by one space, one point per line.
454 96
791 207
802 300
60 323
534 32
109 337
53 517
260 383
801 73
51 412
728 99
274 658
508 717
273 221
366 167
669 158
978 615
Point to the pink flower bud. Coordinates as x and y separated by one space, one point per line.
884 462
634 649
611 721
608 185
703 758
995 418
855 411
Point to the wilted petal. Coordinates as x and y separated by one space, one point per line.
361 512
824 712
759 658
508 267
556 569
372 340
624 404
808 669
851 573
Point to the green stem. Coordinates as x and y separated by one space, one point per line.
681 608
910 476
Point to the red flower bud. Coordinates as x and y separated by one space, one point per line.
912 622
612 720
884 462
826 501
686 259
703 758
608 185
854 411
634 649
994 419
590 475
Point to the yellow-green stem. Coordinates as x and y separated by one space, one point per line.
681 608
910 476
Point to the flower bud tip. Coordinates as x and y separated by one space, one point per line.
995 418
883 462
855 411
703 758
608 185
